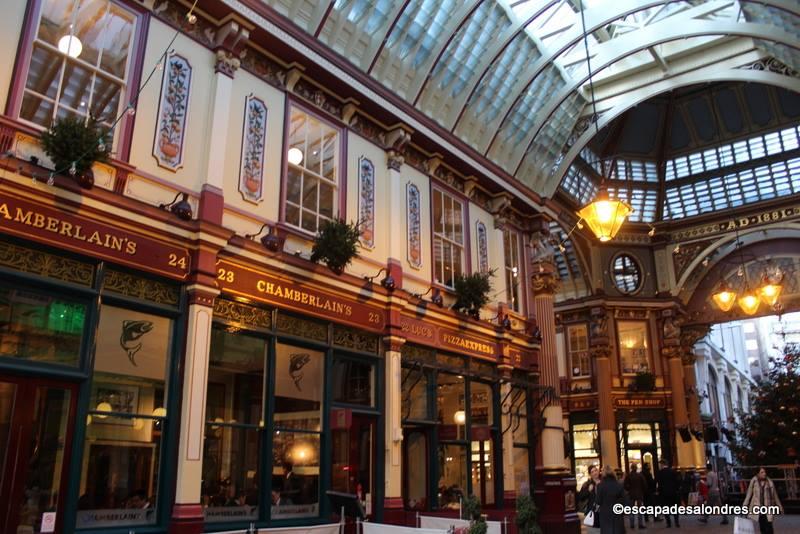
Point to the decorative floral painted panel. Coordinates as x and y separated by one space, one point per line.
413 216
366 201
172 113
254 138
483 248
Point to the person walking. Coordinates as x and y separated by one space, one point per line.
650 493
668 483
587 496
761 492
714 493
609 493
636 486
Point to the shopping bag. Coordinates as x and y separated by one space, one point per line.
589 519
742 525
694 498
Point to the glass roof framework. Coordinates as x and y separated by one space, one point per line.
509 76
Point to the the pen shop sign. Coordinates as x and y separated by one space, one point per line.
67 230
287 294
639 402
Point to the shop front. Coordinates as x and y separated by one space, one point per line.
459 410
642 432
294 401
89 343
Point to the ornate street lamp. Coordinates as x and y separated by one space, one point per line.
605 216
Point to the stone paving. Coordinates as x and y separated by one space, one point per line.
785 524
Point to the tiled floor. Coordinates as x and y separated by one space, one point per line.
785 524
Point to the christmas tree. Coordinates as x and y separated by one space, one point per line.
770 433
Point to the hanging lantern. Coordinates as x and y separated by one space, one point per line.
605 216
724 297
770 291
771 285
749 302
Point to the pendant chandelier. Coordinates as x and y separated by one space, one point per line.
603 215
751 298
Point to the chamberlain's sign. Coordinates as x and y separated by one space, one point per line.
69 230
251 283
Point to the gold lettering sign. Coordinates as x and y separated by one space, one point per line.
302 297
256 284
416 328
65 229
645 402
766 217
471 345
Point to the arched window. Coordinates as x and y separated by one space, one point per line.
728 399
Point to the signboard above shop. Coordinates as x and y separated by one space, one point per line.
66 229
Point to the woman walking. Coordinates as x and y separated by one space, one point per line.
587 496
761 492
609 493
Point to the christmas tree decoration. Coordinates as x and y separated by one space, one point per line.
767 432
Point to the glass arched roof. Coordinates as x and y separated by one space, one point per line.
509 77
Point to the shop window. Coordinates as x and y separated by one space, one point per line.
415 483
578 348
513 269
448 238
453 475
352 453
122 453
640 444
312 175
450 406
38 327
80 62
522 449
234 414
586 447
415 394
353 382
633 346
299 385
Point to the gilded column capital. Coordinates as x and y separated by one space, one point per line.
544 279
691 334
672 352
230 41
600 351
393 343
688 358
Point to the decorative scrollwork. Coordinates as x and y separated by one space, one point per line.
296 326
141 288
771 64
418 354
44 264
351 338
243 314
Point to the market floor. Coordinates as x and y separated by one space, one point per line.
785 524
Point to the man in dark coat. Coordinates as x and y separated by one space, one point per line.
669 484
636 486
609 493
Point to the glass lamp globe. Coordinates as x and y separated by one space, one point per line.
724 297
749 302
605 216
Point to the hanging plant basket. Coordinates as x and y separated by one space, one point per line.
644 381
74 144
472 292
336 244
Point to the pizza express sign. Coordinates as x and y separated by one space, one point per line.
74 232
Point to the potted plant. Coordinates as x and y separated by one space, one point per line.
74 144
336 244
527 516
644 381
472 292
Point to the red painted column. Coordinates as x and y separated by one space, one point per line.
554 490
